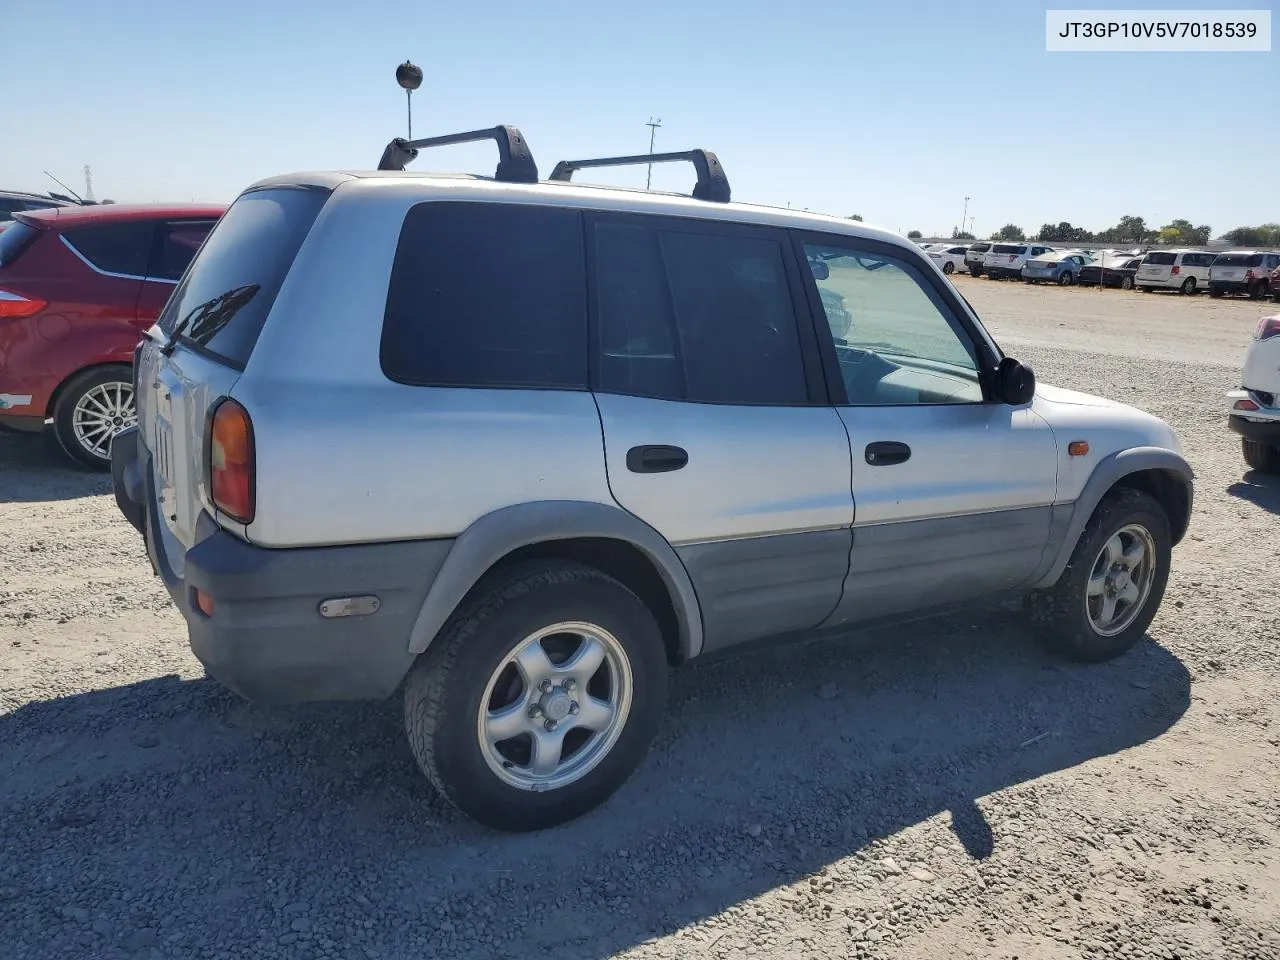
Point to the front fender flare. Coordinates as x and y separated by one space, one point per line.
1109 471
496 534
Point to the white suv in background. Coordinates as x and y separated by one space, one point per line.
1242 271
1183 270
1254 411
1006 260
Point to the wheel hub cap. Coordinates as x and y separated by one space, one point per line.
1120 584
555 705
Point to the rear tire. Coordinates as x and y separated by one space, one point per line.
1260 457
1126 283
1215 293
975 271
92 408
1259 290
1070 615
948 268
468 677
1188 287
1065 279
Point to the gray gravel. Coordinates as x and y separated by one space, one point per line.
940 790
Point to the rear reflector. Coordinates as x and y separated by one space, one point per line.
204 602
231 461
16 305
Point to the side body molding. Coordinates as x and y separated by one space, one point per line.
496 534
1065 531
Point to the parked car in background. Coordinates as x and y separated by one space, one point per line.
1242 271
1254 412
1058 266
78 285
1006 260
1110 271
975 255
1184 270
949 258
17 201
1274 283
516 500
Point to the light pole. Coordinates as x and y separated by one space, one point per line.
409 76
966 214
653 126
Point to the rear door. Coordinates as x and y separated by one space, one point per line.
174 244
952 491
1157 268
716 427
212 322
115 256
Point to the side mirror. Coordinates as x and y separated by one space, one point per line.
1015 382
820 269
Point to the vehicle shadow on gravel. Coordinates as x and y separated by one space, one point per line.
33 469
169 814
1260 489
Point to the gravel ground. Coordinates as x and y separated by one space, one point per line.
941 790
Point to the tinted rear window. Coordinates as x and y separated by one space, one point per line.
224 300
1238 260
488 295
14 239
120 248
980 247
1008 248
1162 259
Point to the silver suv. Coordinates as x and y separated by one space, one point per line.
517 446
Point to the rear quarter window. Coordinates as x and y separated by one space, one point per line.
14 241
122 249
223 301
488 295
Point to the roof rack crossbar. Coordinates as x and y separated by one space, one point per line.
712 184
515 160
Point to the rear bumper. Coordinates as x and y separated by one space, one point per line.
266 638
1039 275
1002 271
1259 430
1230 286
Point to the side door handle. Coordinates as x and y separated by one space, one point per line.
656 458
886 453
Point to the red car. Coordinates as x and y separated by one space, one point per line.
78 285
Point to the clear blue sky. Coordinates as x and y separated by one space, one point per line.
892 110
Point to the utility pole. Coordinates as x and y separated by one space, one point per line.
966 214
88 183
653 126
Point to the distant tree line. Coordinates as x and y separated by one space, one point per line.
1133 229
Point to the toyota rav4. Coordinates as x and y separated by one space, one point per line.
515 447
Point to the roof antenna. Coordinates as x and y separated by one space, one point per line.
64 186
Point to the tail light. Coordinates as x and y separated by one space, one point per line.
1013 257
1176 270
1248 274
231 461
1268 327
14 305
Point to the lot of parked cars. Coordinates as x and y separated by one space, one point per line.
1251 273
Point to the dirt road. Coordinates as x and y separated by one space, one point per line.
938 791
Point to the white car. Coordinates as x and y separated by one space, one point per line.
949 259
1183 270
1006 260
1255 407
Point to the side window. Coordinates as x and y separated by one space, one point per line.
488 295
698 316
896 340
120 248
176 247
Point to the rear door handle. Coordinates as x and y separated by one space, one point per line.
886 453
656 458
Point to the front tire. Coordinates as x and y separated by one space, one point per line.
540 696
1260 457
975 271
92 408
1126 283
1113 584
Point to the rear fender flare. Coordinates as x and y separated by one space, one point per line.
495 535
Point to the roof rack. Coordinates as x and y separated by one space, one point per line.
515 161
712 184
